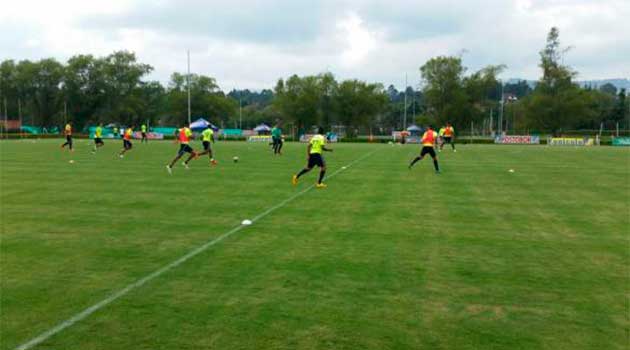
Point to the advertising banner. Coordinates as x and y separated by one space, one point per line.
570 141
621 141
330 137
517 140
259 138
150 135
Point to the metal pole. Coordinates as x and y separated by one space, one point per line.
405 113
20 115
501 114
240 110
6 119
188 83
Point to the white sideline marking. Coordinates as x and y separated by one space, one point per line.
139 283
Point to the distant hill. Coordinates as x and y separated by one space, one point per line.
621 83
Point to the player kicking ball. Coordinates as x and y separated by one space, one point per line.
314 150
183 137
207 136
127 145
429 140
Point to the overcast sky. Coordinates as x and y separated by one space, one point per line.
250 44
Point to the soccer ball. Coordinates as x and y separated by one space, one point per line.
235 159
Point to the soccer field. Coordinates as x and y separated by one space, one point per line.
384 258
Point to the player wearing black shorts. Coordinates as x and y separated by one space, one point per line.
143 130
428 147
127 145
68 132
276 136
315 148
98 138
207 136
183 136
449 136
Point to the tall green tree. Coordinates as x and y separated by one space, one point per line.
557 102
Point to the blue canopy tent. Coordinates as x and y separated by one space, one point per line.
201 124
414 130
262 129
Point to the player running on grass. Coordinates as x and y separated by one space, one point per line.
143 130
207 136
98 138
276 136
68 132
127 145
314 151
449 137
183 137
428 146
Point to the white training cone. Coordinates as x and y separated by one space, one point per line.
246 222
511 170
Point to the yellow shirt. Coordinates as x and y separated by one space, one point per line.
317 144
98 132
68 129
207 135
441 133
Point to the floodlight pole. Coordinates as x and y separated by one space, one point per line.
240 110
6 119
20 115
405 113
501 114
188 83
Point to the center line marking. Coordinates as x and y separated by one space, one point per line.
139 283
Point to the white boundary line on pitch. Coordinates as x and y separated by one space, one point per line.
139 283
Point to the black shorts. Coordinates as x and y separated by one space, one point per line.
184 148
429 150
69 139
448 139
144 135
127 144
98 141
206 145
316 159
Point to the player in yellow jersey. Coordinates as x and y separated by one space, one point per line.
429 140
449 137
127 145
207 136
98 137
314 150
68 132
143 130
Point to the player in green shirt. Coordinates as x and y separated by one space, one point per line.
207 136
276 136
98 137
143 130
316 146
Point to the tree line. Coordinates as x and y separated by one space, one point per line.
88 89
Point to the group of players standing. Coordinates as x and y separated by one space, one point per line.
316 146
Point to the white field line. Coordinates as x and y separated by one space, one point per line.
139 283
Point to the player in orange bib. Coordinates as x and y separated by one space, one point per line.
449 137
183 137
68 132
429 139
128 133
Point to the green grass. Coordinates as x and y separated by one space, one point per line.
385 258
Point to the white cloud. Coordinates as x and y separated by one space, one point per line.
253 43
